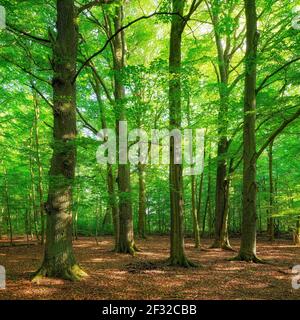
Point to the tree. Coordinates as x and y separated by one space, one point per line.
248 240
59 260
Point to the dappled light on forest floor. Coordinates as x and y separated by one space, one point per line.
148 276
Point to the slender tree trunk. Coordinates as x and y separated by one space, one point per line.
271 195
222 181
112 198
296 235
196 228
126 242
40 170
194 212
7 203
33 192
59 260
142 201
248 241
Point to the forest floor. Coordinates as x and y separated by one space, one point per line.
145 276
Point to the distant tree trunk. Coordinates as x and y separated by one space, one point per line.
194 212
199 202
196 228
126 235
110 180
98 215
208 211
177 254
142 201
7 203
32 193
39 167
59 260
271 195
248 241
296 235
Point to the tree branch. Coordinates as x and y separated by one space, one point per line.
262 85
276 132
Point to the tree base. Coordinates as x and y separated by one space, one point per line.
182 262
127 249
74 273
224 246
247 258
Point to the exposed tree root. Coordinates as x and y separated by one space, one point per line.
227 247
183 262
74 273
128 249
247 258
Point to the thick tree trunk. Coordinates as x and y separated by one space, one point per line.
126 242
59 260
177 254
248 241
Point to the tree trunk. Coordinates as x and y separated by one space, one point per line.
39 167
296 236
112 198
59 260
196 228
126 242
32 194
271 195
222 181
8 212
142 201
248 241
177 253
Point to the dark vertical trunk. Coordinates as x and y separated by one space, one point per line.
296 235
208 211
8 211
222 181
194 212
126 242
177 254
39 167
142 201
112 198
271 194
32 193
196 228
248 241
59 260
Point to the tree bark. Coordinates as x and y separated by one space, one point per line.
40 169
222 180
142 201
248 240
59 260
271 194
126 242
177 252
